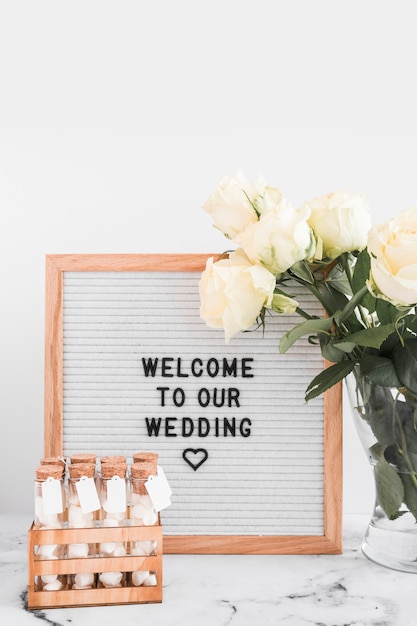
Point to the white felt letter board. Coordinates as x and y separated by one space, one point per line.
130 366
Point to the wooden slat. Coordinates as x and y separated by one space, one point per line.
92 597
53 389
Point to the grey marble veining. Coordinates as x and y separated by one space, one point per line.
217 590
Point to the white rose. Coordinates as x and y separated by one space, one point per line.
341 222
393 250
236 203
268 199
279 239
233 292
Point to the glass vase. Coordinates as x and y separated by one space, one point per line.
386 422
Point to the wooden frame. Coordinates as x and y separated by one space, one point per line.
331 540
67 597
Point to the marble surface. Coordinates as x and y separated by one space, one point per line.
342 590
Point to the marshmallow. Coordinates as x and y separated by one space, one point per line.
49 578
39 507
81 524
109 522
111 579
78 550
120 550
143 548
73 498
48 551
51 521
42 518
75 515
83 581
113 548
142 498
139 510
108 547
150 518
143 511
144 577
55 586
150 581
78 519
119 516
139 577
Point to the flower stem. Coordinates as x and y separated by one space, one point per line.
303 313
316 292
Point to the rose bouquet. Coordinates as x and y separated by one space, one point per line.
365 278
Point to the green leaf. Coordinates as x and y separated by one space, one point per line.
369 303
301 270
329 377
405 362
410 493
389 488
378 452
345 346
391 342
338 281
360 276
333 299
386 311
379 370
361 270
309 327
370 337
351 306
380 413
329 351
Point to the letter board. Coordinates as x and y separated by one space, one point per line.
130 366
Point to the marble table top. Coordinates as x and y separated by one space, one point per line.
217 590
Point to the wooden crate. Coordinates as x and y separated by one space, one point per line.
38 599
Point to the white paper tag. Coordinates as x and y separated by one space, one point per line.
116 495
52 496
162 476
87 493
159 490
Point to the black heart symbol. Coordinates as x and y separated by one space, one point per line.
191 461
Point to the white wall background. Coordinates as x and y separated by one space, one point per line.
117 119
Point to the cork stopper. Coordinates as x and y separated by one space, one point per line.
140 472
49 471
150 464
115 459
83 457
145 457
77 470
108 470
53 460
